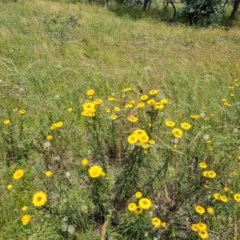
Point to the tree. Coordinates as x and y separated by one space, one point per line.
235 8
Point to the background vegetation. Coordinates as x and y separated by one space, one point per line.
51 53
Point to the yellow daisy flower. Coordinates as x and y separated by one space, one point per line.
177 133
18 174
39 199
236 197
156 222
170 123
138 195
26 219
132 207
95 172
145 203
200 210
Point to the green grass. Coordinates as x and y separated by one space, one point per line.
50 54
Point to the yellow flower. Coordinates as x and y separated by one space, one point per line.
200 210
226 189
139 132
132 207
9 186
151 141
170 123
216 196
6 122
24 208
138 210
117 109
95 171
210 210
56 125
111 99
132 119
164 101
86 113
49 137
185 126
18 174
177 133
195 116
201 226
144 97
153 92
151 102
203 234
132 139
26 219
128 105
158 106
22 111
70 110
53 126
39 199
127 89
209 174
98 102
212 174
113 117
143 138
90 92
156 222
226 104
194 227
89 106
49 174
141 105
59 124
202 165
223 198
85 162
145 203
138 195
164 224
236 197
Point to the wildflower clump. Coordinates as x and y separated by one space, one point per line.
201 229
141 205
138 137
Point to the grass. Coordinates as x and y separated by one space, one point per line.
51 53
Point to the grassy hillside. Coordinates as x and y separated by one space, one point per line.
51 53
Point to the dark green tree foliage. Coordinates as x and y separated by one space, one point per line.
202 12
235 9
